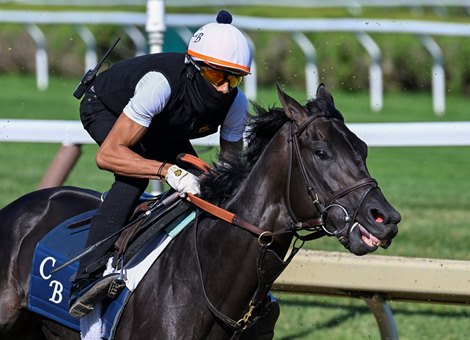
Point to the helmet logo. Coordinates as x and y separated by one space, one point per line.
197 37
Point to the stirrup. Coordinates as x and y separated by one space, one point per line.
85 299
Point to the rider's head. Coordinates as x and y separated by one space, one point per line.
219 49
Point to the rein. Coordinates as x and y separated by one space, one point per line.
233 219
223 214
265 256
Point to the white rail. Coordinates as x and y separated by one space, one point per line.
243 22
66 132
423 29
72 135
376 279
70 132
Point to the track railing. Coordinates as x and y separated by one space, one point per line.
376 279
72 135
133 22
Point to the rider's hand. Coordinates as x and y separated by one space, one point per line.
182 181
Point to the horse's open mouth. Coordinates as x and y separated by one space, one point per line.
367 237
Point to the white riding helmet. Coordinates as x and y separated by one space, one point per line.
221 44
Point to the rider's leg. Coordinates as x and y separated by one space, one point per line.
110 217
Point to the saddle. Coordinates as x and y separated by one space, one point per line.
148 219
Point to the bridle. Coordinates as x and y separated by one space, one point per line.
317 226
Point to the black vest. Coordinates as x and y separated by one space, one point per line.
195 108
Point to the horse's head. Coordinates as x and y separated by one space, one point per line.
328 180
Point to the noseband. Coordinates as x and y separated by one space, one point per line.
317 227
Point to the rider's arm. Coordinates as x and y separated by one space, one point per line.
151 95
231 132
115 153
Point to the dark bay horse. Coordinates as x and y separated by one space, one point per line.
304 175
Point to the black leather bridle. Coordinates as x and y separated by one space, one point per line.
317 226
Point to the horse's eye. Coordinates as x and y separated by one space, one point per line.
321 154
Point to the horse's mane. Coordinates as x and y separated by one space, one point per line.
225 176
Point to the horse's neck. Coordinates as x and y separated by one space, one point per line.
261 198
231 253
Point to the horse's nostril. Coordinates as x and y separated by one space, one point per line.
396 218
378 216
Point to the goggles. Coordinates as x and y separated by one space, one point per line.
218 77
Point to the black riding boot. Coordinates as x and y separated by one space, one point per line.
88 286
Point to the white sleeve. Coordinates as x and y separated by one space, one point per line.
234 124
152 93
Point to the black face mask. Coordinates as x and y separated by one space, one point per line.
202 97
196 110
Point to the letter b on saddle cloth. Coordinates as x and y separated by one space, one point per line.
155 222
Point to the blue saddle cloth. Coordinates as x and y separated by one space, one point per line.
49 293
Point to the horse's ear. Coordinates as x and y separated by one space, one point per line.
291 107
323 93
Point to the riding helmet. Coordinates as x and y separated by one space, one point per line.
221 44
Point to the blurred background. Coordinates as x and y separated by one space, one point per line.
384 62
341 58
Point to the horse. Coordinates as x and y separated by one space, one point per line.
303 175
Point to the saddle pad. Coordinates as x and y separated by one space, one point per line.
49 293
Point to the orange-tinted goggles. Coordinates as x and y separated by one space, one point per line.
218 77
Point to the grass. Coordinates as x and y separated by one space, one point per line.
428 186
20 99
324 318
